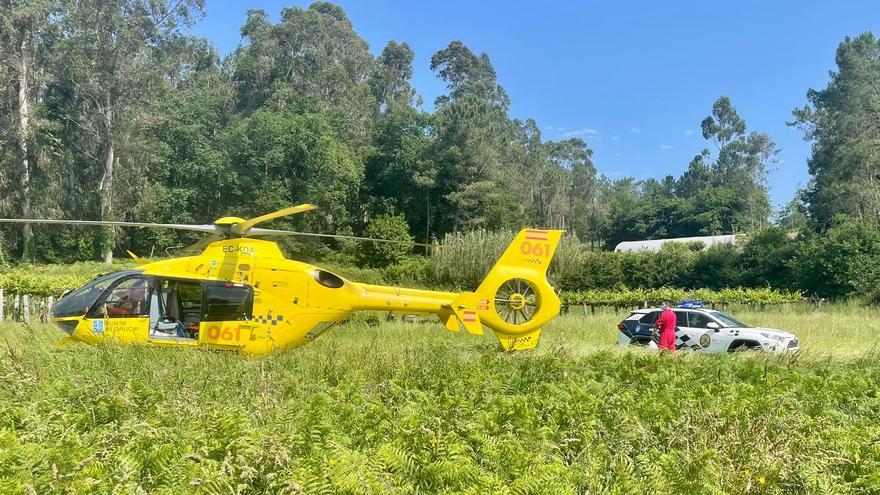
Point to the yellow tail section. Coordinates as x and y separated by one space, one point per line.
514 300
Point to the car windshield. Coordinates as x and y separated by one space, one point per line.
727 319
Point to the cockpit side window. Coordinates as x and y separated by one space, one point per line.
78 302
128 299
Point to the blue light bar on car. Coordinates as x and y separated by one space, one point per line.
690 304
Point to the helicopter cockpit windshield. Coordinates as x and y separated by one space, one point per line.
78 302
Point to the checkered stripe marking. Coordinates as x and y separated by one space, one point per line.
269 319
683 340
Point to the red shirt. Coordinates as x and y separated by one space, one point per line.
666 321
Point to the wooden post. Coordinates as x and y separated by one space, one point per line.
49 303
2 306
26 302
585 309
15 302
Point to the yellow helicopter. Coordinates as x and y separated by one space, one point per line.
242 294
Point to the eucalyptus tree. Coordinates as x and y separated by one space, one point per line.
311 54
472 130
582 194
25 31
842 122
105 66
741 163
390 80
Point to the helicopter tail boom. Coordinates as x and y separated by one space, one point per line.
515 299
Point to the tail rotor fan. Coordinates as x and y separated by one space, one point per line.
516 301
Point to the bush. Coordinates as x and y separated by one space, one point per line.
378 254
715 268
597 270
412 271
53 280
641 297
765 259
842 262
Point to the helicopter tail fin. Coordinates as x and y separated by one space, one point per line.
515 299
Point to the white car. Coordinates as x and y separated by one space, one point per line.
705 330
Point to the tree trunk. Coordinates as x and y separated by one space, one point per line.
105 188
428 221
23 132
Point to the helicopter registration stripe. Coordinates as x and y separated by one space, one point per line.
469 316
536 235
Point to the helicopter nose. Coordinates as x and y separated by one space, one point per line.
68 326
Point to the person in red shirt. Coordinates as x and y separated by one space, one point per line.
665 325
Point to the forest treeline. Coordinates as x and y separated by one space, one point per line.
109 111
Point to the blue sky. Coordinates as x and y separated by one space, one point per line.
634 79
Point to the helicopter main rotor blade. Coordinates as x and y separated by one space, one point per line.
199 246
211 229
272 232
243 227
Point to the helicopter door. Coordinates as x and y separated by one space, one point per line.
123 311
175 310
228 311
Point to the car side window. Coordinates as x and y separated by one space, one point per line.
699 320
681 318
649 318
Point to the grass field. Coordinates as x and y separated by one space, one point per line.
410 408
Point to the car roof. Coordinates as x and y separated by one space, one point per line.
674 308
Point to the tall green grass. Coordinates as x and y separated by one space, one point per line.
464 259
411 408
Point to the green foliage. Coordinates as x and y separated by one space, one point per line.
122 103
392 228
52 280
622 298
843 261
412 271
410 408
166 131
465 258
840 121
283 157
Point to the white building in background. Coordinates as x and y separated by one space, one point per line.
656 244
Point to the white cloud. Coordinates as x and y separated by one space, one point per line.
581 132
689 132
665 146
548 127
615 138
635 130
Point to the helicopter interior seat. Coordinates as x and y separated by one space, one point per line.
167 318
188 307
